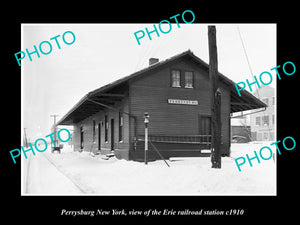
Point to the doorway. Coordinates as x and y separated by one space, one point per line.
99 136
204 125
112 134
205 129
81 137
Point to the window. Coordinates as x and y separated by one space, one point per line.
120 126
273 99
189 79
175 78
273 119
265 120
257 121
106 129
266 100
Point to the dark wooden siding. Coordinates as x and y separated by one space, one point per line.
151 92
90 145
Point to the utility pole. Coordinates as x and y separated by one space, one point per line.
54 128
215 97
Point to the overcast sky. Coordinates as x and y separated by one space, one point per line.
102 53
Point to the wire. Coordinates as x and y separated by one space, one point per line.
246 55
249 65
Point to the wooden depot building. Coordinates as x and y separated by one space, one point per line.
175 93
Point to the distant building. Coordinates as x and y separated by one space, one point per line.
263 123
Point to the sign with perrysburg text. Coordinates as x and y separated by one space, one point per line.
182 102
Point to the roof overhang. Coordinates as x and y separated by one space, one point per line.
244 102
109 94
87 107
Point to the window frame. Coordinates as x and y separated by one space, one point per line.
266 119
192 80
258 121
171 78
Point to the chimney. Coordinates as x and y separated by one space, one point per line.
152 61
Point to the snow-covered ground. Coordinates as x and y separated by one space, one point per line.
74 173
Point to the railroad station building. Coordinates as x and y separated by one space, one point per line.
176 94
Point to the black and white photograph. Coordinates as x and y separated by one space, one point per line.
146 114
140 112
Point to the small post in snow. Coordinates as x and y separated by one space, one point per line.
146 121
